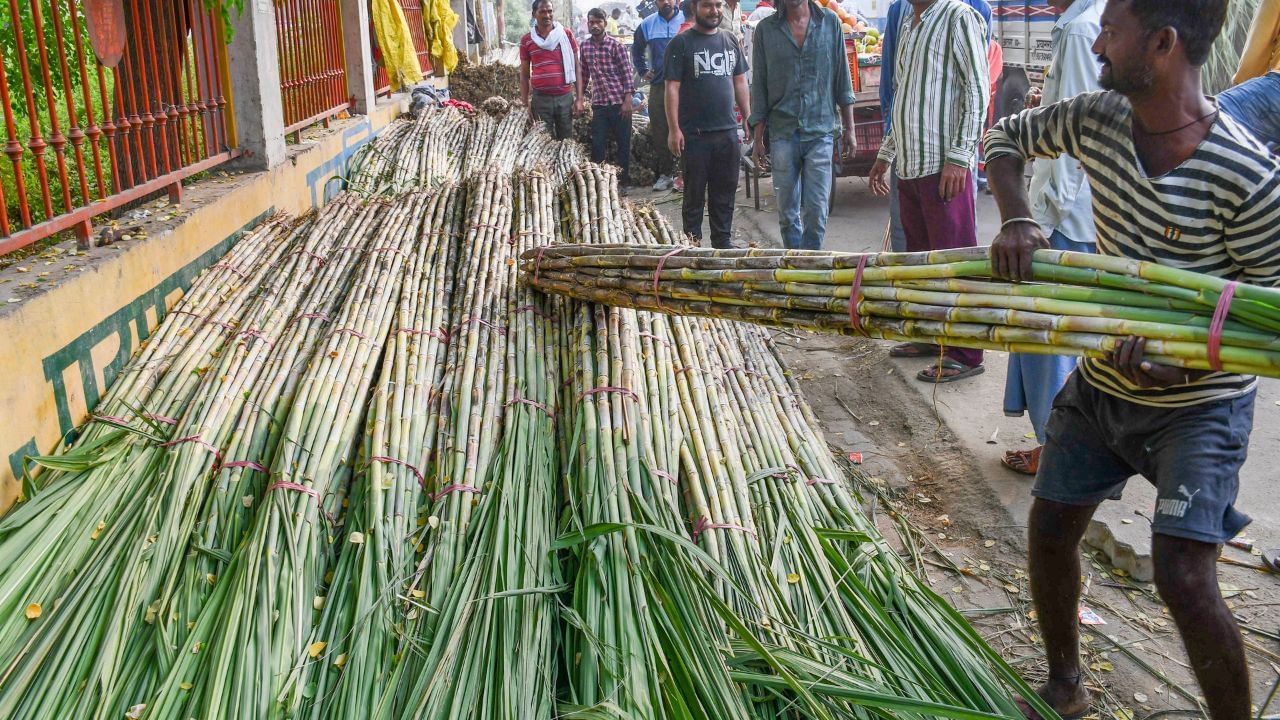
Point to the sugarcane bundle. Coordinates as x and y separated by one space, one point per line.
260 615
367 595
491 655
1079 304
72 549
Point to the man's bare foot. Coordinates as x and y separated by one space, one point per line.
1069 697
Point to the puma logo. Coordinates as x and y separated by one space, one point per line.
1174 507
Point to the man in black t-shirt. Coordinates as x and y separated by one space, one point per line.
706 71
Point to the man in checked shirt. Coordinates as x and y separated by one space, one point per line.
606 71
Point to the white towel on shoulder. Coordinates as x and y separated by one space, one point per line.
559 37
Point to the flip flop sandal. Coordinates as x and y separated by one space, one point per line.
913 350
1271 558
948 364
1026 462
1031 714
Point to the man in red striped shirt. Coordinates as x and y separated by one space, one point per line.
549 68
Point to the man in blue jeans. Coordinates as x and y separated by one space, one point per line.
800 78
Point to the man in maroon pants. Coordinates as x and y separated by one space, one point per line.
940 78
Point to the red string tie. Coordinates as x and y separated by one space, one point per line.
349 331
311 316
397 251
703 524
657 274
257 334
397 461
160 418
655 338
111 419
246 464
537 263
455 488
496 328
310 254
217 454
531 403
615 390
233 270
296 487
819 481
442 335
664 474
855 319
535 311
1214 346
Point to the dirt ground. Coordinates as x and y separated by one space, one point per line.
918 453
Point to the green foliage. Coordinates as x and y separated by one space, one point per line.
516 16
19 58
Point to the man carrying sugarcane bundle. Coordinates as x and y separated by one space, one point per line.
1177 183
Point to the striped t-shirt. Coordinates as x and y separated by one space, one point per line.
940 90
1217 213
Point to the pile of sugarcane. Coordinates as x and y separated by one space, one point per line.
1077 304
360 471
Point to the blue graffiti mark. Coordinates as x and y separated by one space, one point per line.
317 179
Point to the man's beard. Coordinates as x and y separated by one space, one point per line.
708 24
1125 84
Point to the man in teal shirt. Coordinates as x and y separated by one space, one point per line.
800 78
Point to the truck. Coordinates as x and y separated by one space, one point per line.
1024 30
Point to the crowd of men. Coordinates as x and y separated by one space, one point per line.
1132 159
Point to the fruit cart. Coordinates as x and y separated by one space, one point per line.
868 120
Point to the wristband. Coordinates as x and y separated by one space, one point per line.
1012 221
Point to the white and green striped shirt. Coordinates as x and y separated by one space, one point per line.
940 91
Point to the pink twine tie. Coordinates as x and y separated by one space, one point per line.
230 269
610 389
455 488
397 461
531 403
246 464
703 524
217 454
855 319
657 274
1214 345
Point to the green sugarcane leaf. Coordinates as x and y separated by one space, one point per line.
546 590
845 535
215 553
594 531
587 534
873 700
603 711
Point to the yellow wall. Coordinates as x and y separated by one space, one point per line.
61 349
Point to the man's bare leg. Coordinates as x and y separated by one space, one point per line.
1054 531
1187 578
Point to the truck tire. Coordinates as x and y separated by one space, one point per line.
1011 92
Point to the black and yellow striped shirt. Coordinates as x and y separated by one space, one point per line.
1217 213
